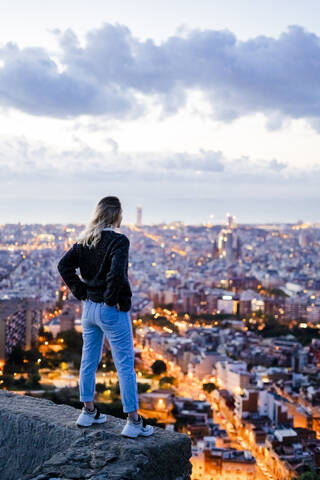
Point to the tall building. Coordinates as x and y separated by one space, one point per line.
221 239
238 247
215 249
229 244
139 215
304 239
20 321
230 221
229 247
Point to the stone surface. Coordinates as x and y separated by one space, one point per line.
39 440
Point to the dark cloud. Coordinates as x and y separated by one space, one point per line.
31 81
276 76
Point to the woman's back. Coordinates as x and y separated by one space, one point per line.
103 268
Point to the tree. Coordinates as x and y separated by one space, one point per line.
143 387
100 387
15 360
72 340
277 292
32 355
168 306
250 366
7 381
33 380
116 388
21 381
159 367
167 380
42 333
273 328
309 476
164 322
208 387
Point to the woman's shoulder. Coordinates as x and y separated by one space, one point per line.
123 238
117 238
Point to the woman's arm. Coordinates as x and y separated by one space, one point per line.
67 268
118 271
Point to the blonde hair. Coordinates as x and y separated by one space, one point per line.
105 214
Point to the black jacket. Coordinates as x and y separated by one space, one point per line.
103 268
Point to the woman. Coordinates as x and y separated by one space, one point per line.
101 253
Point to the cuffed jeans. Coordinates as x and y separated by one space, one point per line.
99 319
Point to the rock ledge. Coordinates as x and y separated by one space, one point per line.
39 440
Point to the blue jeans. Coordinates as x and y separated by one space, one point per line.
99 319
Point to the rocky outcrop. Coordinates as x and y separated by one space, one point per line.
39 440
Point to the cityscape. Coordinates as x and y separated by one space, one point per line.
226 322
189 133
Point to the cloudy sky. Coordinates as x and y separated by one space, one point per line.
191 109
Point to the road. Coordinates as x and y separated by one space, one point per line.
191 387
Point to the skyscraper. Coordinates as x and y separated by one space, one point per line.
238 247
215 249
230 220
229 247
139 215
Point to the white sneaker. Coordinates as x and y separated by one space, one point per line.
87 418
133 429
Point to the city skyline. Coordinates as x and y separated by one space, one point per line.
226 329
190 115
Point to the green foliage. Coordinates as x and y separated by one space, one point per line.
7 380
168 306
162 321
32 355
273 328
41 331
33 381
208 387
309 476
159 367
52 360
147 374
72 340
277 292
100 387
109 363
164 380
72 357
47 335
143 387
305 335
10 382
20 382
14 361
